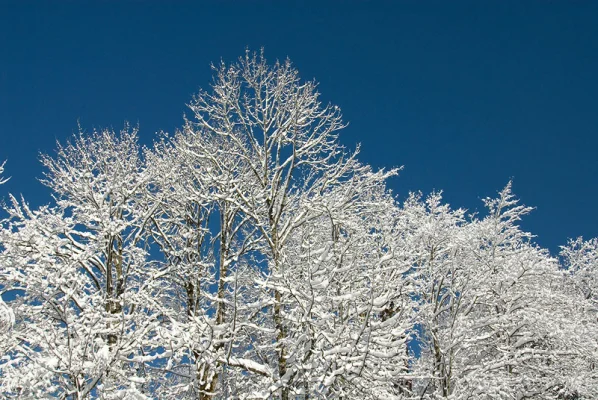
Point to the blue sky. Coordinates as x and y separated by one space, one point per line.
465 95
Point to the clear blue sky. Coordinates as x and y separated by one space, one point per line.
465 95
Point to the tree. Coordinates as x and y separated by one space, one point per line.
289 191
7 316
502 321
249 255
435 243
580 259
78 270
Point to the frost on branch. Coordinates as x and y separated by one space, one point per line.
2 179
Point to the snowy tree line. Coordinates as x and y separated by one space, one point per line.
250 256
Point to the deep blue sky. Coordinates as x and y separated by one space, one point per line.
465 95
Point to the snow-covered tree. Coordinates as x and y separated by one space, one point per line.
434 244
249 255
503 323
580 258
581 261
79 272
7 316
262 212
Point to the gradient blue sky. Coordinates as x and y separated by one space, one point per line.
465 95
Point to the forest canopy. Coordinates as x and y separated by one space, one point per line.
249 255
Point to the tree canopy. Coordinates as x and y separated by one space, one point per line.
249 255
